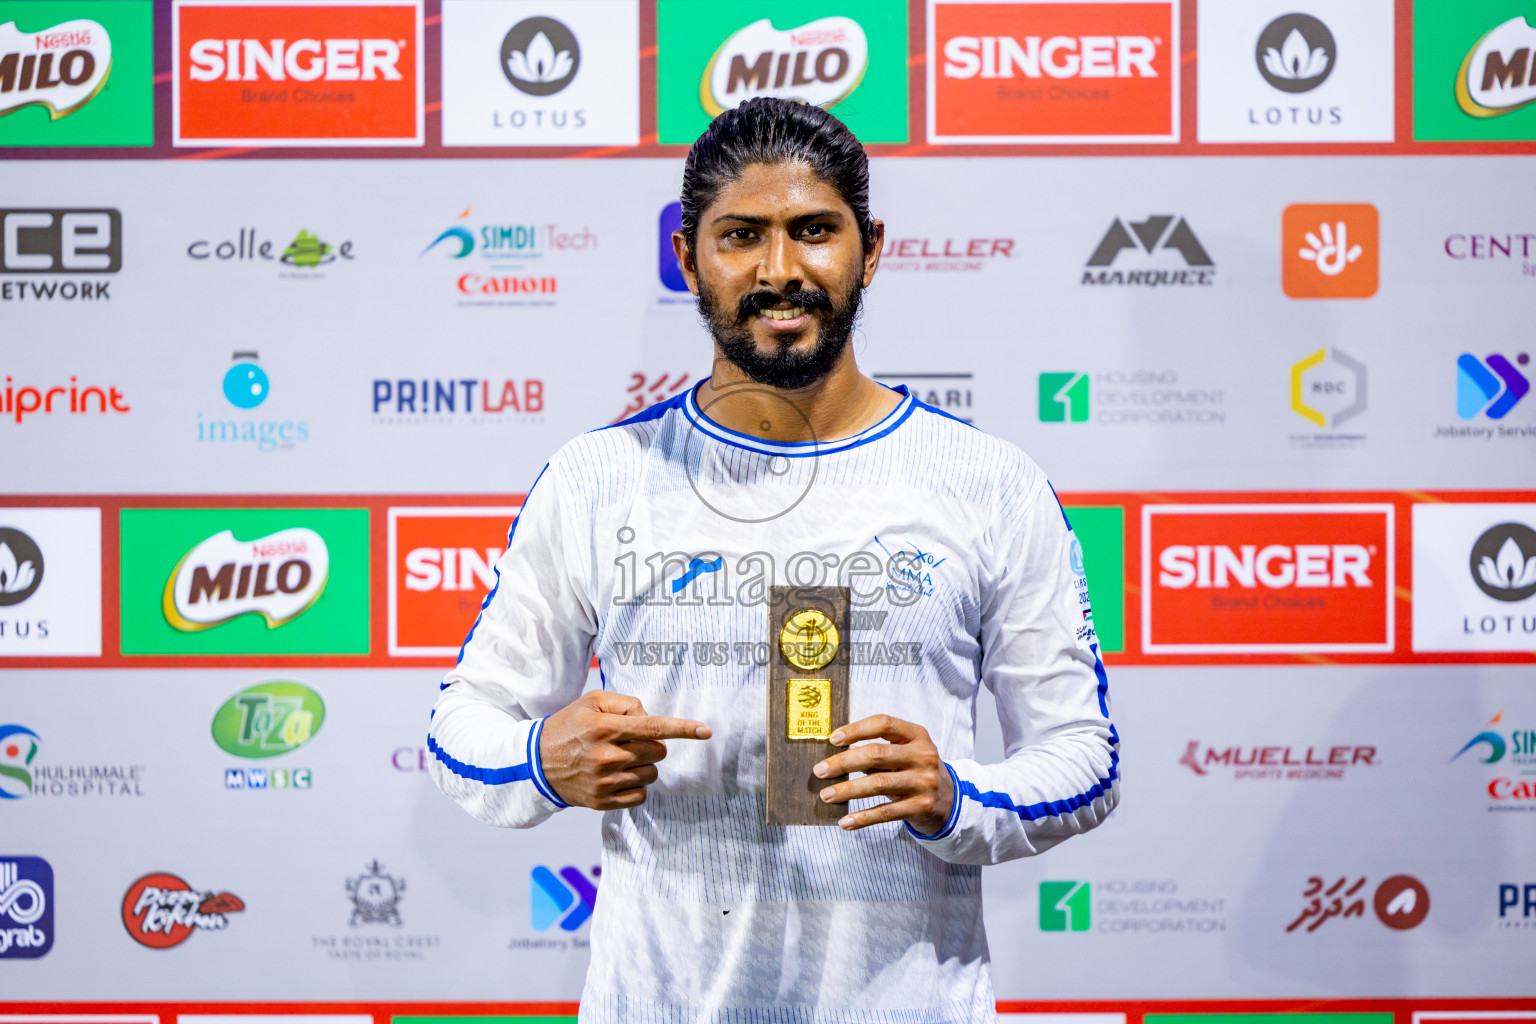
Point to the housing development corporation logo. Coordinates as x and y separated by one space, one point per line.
1140 905
1063 398
1400 902
566 899
441 567
26 907
1330 251
161 910
305 73
1065 906
1474 571
1128 398
59 242
1036 71
1150 242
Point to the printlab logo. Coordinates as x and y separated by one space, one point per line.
1311 763
1065 906
1295 53
1154 237
566 899
26 908
1328 389
1331 251
421 400
161 910
18 748
278 577
1063 398
375 897
1491 386
246 386
1401 902
1510 894
21 566
1491 84
74 241
540 56
1504 562
1515 751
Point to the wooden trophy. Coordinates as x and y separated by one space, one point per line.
807 699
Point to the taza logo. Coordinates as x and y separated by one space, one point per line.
26 908
1295 53
1504 562
1491 84
21 566
161 910
61 68
268 719
540 56
820 62
277 577
18 748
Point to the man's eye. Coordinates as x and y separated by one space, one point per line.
740 234
815 230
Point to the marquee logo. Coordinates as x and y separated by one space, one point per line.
161 910
61 68
820 62
1491 386
277 577
540 56
268 720
1296 53
1230 579
1330 251
1035 71
1498 75
441 567
297 73
26 908
1155 236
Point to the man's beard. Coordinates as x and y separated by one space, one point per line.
783 368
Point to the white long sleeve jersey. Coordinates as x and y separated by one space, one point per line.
651 544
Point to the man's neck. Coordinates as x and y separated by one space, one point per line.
839 405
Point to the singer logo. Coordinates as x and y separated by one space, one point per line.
441 566
1037 71
276 577
1267 579
298 73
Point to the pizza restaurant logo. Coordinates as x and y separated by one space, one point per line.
820 62
1498 75
1400 902
1035 71
1252 579
60 242
277 577
1513 784
1150 243
1277 763
442 566
161 910
305 73
60 68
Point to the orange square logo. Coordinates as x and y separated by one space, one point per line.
441 566
1031 71
297 73
1332 251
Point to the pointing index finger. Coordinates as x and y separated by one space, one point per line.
657 727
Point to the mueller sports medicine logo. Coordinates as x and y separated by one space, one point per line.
161 910
1229 579
441 567
60 68
1498 75
277 577
1165 244
26 908
820 62
63 242
1036 71
1277 763
297 73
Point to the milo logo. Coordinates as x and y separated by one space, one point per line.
820 62
277 577
60 68
268 719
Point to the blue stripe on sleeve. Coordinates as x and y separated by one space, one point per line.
539 781
511 530
954 813
488 776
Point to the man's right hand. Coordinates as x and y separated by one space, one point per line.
601 750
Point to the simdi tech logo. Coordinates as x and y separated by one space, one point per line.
1267 579
76 73
849 56
1513 784
66 242
1048 71
441 567
26 907
50 582
1330 250
1474 577
297 73
244 581
1474 76
507 267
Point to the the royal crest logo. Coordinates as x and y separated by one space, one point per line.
278 577
1498 75
161 910
60 68
375 897
820 62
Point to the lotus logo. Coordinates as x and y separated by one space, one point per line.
1491 84
60 68
820 62
277 577
21 566
1504 562
1295 53
18 746
540 56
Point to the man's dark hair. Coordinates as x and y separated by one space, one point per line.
770 130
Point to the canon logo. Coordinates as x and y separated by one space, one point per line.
303 60
1056 56
1276 566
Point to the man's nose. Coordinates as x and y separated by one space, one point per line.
780 269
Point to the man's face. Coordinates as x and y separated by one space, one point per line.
778 267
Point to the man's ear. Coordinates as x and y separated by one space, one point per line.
872 254
685 261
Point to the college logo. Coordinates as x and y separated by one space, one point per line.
1156 237
21 566
1064 398
1400 902
1491 386
247 581
59 242
442 565
1498 75
304 253
375 897
566 899
1036 71
26 908
18 748
268 720
50 604
1474 577
714 57
53 73
297 73
533 63
161 910
1277 763
1250 579
1330 251
1065 906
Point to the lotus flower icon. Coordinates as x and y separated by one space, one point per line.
1296 53
1503 562
1295 60
21 566
1511 571
15 576
540 56
540 62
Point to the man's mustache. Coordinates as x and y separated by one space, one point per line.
754 303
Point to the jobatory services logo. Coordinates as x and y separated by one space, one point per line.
1128 398
297 73
1270 72
26 907
507 263
441 567
50 582
1330 251
59 242
1329 388
1474 577
23 774
846 55
245 386
1267 579
1135 905
1286 762
76 73
1048 71
1164 244
1400 902
1473 73
1511 785
244 581
160 910
1490 387
533 73
566 899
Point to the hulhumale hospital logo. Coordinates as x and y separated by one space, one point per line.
18 749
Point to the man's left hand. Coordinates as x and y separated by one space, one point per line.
906 769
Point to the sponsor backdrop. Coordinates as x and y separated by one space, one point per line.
297 297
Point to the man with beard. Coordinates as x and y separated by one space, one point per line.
652 543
